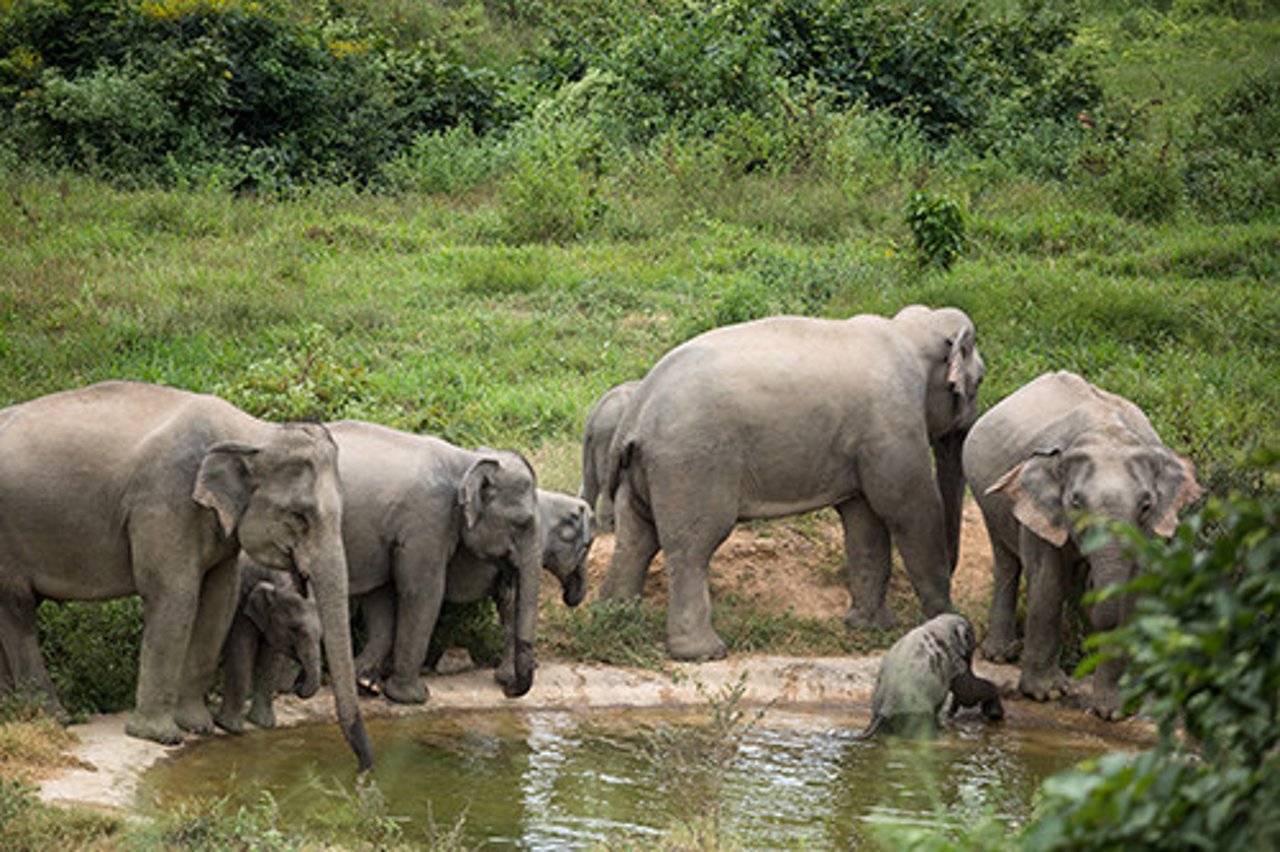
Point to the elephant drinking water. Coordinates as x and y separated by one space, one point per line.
787 415
126 488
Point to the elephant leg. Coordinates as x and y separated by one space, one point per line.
1042 676
1001 642
267 665
969 690
688 548
905 496
214 612
379 609
21 662
237 669
419 572
635 547
866 547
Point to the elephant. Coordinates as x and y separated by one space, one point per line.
415 503
274 621
602 422
566 531
1046 458
124 488
920 670
786 415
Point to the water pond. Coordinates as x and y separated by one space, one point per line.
560 779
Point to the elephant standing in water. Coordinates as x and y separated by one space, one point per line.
125 488
1055 453
415 503
787 415
597 435
565 529
274 623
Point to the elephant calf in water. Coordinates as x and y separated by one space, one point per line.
920 670
274 622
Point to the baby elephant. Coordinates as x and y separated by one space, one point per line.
920 670
273 624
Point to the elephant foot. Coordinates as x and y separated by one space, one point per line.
262 715
696 648
160 729
194 716
999 650
1043 687
229 722
880 619
410 690
1106 704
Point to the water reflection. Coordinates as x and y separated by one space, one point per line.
556 780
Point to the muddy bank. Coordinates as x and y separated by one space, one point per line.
113 763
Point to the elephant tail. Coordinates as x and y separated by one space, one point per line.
622 454
870 730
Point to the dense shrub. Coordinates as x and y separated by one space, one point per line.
91 650
1232 167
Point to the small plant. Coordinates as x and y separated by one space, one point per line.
91 650
937 226
628 633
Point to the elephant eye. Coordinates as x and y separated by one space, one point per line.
1077 500
299 520
1145 505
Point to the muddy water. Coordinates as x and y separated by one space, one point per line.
558 779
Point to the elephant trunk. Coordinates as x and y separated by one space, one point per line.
528 572
1109 566
308 682
949 472
574 586
329 576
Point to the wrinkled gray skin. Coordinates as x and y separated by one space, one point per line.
274 623
1055 450
566 529
787 415
125 488
597 435
918 673
415 503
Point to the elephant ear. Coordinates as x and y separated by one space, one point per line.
222 484
260 604
956 377
1034 487
1176 487
476 489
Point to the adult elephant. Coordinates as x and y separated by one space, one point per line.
597 435
787 415
1056 452
413 504
125 488
565 529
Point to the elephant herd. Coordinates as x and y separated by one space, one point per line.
245 539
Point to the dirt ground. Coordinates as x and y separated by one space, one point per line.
796 565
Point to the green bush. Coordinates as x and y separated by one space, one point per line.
91 651
1232 168
937 227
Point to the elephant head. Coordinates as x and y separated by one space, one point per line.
290 624
498 497
945 343
568 528
282 500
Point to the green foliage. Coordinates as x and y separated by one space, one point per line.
91 651
627 633
1232 169
473 626
937 226
1201 648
